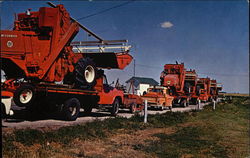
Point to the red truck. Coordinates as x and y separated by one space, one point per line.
203 89
158 97
214 89
38 53
190 83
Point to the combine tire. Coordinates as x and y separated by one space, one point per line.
85 73
71 109
115 107
24 96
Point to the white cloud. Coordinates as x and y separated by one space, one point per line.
167 24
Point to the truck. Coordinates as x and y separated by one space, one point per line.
190 82
158 97
173 78
214 89
44 68
203 89
132 101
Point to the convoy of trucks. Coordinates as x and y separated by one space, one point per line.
45 68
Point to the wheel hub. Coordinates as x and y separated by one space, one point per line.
89 74
26 96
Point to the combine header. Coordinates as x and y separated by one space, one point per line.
39 52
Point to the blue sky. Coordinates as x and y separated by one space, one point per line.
208 36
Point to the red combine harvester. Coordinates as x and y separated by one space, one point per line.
191 83
39 52
203 89
214 89
173 78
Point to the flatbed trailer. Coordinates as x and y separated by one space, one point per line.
59 98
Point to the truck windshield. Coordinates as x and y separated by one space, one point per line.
105 81
156 90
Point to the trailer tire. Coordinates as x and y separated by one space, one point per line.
85 73
87 109
71 109
170 108
24 95
115 107
133 108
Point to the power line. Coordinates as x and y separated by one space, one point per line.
105 10
203 73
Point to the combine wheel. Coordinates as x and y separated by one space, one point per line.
115 107
71 109
85 73
24 96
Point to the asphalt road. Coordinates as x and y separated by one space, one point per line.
52 123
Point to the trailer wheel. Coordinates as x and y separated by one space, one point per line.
115 107
85 73
170 108
71 109
24 96
133 108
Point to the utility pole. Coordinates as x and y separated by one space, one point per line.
134 67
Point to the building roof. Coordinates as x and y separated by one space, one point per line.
143 80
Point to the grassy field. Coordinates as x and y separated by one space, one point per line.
223 132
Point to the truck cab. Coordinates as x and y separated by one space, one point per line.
158 97
109 95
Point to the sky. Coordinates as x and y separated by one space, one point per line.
211 37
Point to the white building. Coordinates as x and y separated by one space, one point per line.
141 84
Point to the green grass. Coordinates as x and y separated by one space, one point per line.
220 133
212 133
